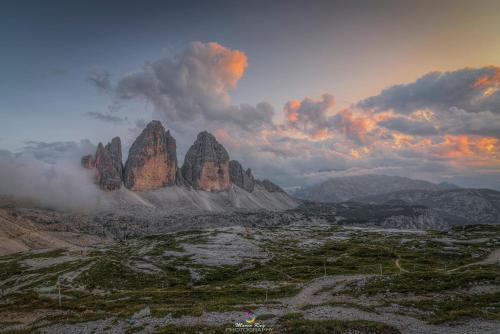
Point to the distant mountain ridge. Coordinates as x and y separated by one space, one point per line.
460 206
341 189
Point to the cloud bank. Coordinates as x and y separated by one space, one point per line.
50 174
444 126
194 85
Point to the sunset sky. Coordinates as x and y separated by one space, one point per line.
297 90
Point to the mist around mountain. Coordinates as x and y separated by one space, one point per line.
341 189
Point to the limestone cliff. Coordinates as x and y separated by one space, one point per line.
152 159
241 178
108 162
206 165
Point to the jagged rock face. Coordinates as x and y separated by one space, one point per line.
206 165
108 162
241 178
88 161
269 186
152 160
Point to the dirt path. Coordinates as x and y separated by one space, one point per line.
312 294
493 258
398 265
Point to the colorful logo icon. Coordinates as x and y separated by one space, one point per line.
250 317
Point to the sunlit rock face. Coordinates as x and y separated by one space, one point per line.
206 165
241 178
108 162
152 159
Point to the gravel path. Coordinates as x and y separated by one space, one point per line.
493 258
311 293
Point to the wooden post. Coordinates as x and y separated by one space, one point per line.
324 266
380 266
59 289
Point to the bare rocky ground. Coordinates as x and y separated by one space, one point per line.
307 276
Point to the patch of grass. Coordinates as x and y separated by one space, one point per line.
294 323
135 329
197 329
10 269
111 273
486 306
432 281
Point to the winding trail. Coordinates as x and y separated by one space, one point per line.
312 294
398 265
492 258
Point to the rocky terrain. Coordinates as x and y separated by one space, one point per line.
340 189
303 275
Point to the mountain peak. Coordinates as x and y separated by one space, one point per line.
241 178
206 165
108 162
152 159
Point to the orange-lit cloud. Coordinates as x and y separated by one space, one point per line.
231 63
400 139
462 146
355 154
320 134
308 119
487 144
353 126
489 79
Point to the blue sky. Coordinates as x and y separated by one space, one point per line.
294 49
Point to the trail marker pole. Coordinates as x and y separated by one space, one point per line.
380 266
59 289
324 267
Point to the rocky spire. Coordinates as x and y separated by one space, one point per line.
108 162
206 165
152 159
241 178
